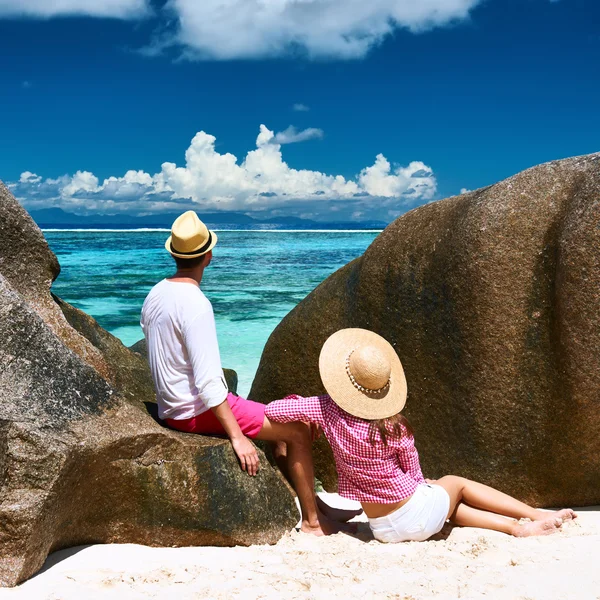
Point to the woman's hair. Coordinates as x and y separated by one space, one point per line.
390 428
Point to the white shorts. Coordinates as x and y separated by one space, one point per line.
420 518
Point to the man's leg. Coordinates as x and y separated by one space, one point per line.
342 515
300 471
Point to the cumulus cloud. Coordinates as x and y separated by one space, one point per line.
380 179
29 177
341 29
291 135
299 107
262 181
121 9
318 28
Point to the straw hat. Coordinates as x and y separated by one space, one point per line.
363 374
190 237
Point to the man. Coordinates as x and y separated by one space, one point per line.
191 392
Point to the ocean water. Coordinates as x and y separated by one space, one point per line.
254 280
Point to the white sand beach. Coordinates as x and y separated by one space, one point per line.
462 563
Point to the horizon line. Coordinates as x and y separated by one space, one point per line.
163 230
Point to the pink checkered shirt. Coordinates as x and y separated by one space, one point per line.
366 473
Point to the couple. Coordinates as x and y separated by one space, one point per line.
373 445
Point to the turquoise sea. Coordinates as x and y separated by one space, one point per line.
254 280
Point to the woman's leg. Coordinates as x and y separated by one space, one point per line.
476 505
467 516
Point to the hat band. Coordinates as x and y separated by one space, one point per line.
194 252
360 387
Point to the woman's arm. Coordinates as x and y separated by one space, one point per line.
408 457
296 408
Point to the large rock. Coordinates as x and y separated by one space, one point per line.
81 458
492 301
30 266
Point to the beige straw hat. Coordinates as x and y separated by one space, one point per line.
363 374
190 237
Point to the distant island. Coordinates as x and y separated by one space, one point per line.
56 218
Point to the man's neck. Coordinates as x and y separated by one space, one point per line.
192 276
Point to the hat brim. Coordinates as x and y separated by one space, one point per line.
335 378
212 245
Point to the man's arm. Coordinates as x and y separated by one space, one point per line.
242 446
200 337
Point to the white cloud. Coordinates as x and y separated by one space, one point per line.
319 28
291 135
214 181
342 29
82 181
29 177
414 181
465 190
121 9
299 107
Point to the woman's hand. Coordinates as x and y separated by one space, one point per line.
247 454
430 480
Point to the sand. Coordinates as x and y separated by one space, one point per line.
463 563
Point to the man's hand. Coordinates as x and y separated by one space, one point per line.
247 454
242 446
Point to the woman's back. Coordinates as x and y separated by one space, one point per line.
367 472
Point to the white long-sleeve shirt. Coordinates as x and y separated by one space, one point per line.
183 352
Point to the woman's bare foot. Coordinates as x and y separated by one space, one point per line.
566 514
531 528
327 526
337 514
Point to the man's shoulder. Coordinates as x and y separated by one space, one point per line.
182 295
188 298
157 287
198 302
154 290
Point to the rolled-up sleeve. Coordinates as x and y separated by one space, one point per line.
200 338
296 408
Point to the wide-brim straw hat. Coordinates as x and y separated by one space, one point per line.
190 237
363 374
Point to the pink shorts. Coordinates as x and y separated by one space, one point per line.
249 414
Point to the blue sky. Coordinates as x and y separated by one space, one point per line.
369 109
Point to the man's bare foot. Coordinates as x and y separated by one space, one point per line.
566 514
326 526
531 528
337 514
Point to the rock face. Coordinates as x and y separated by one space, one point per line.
81 458
30 267
492 301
